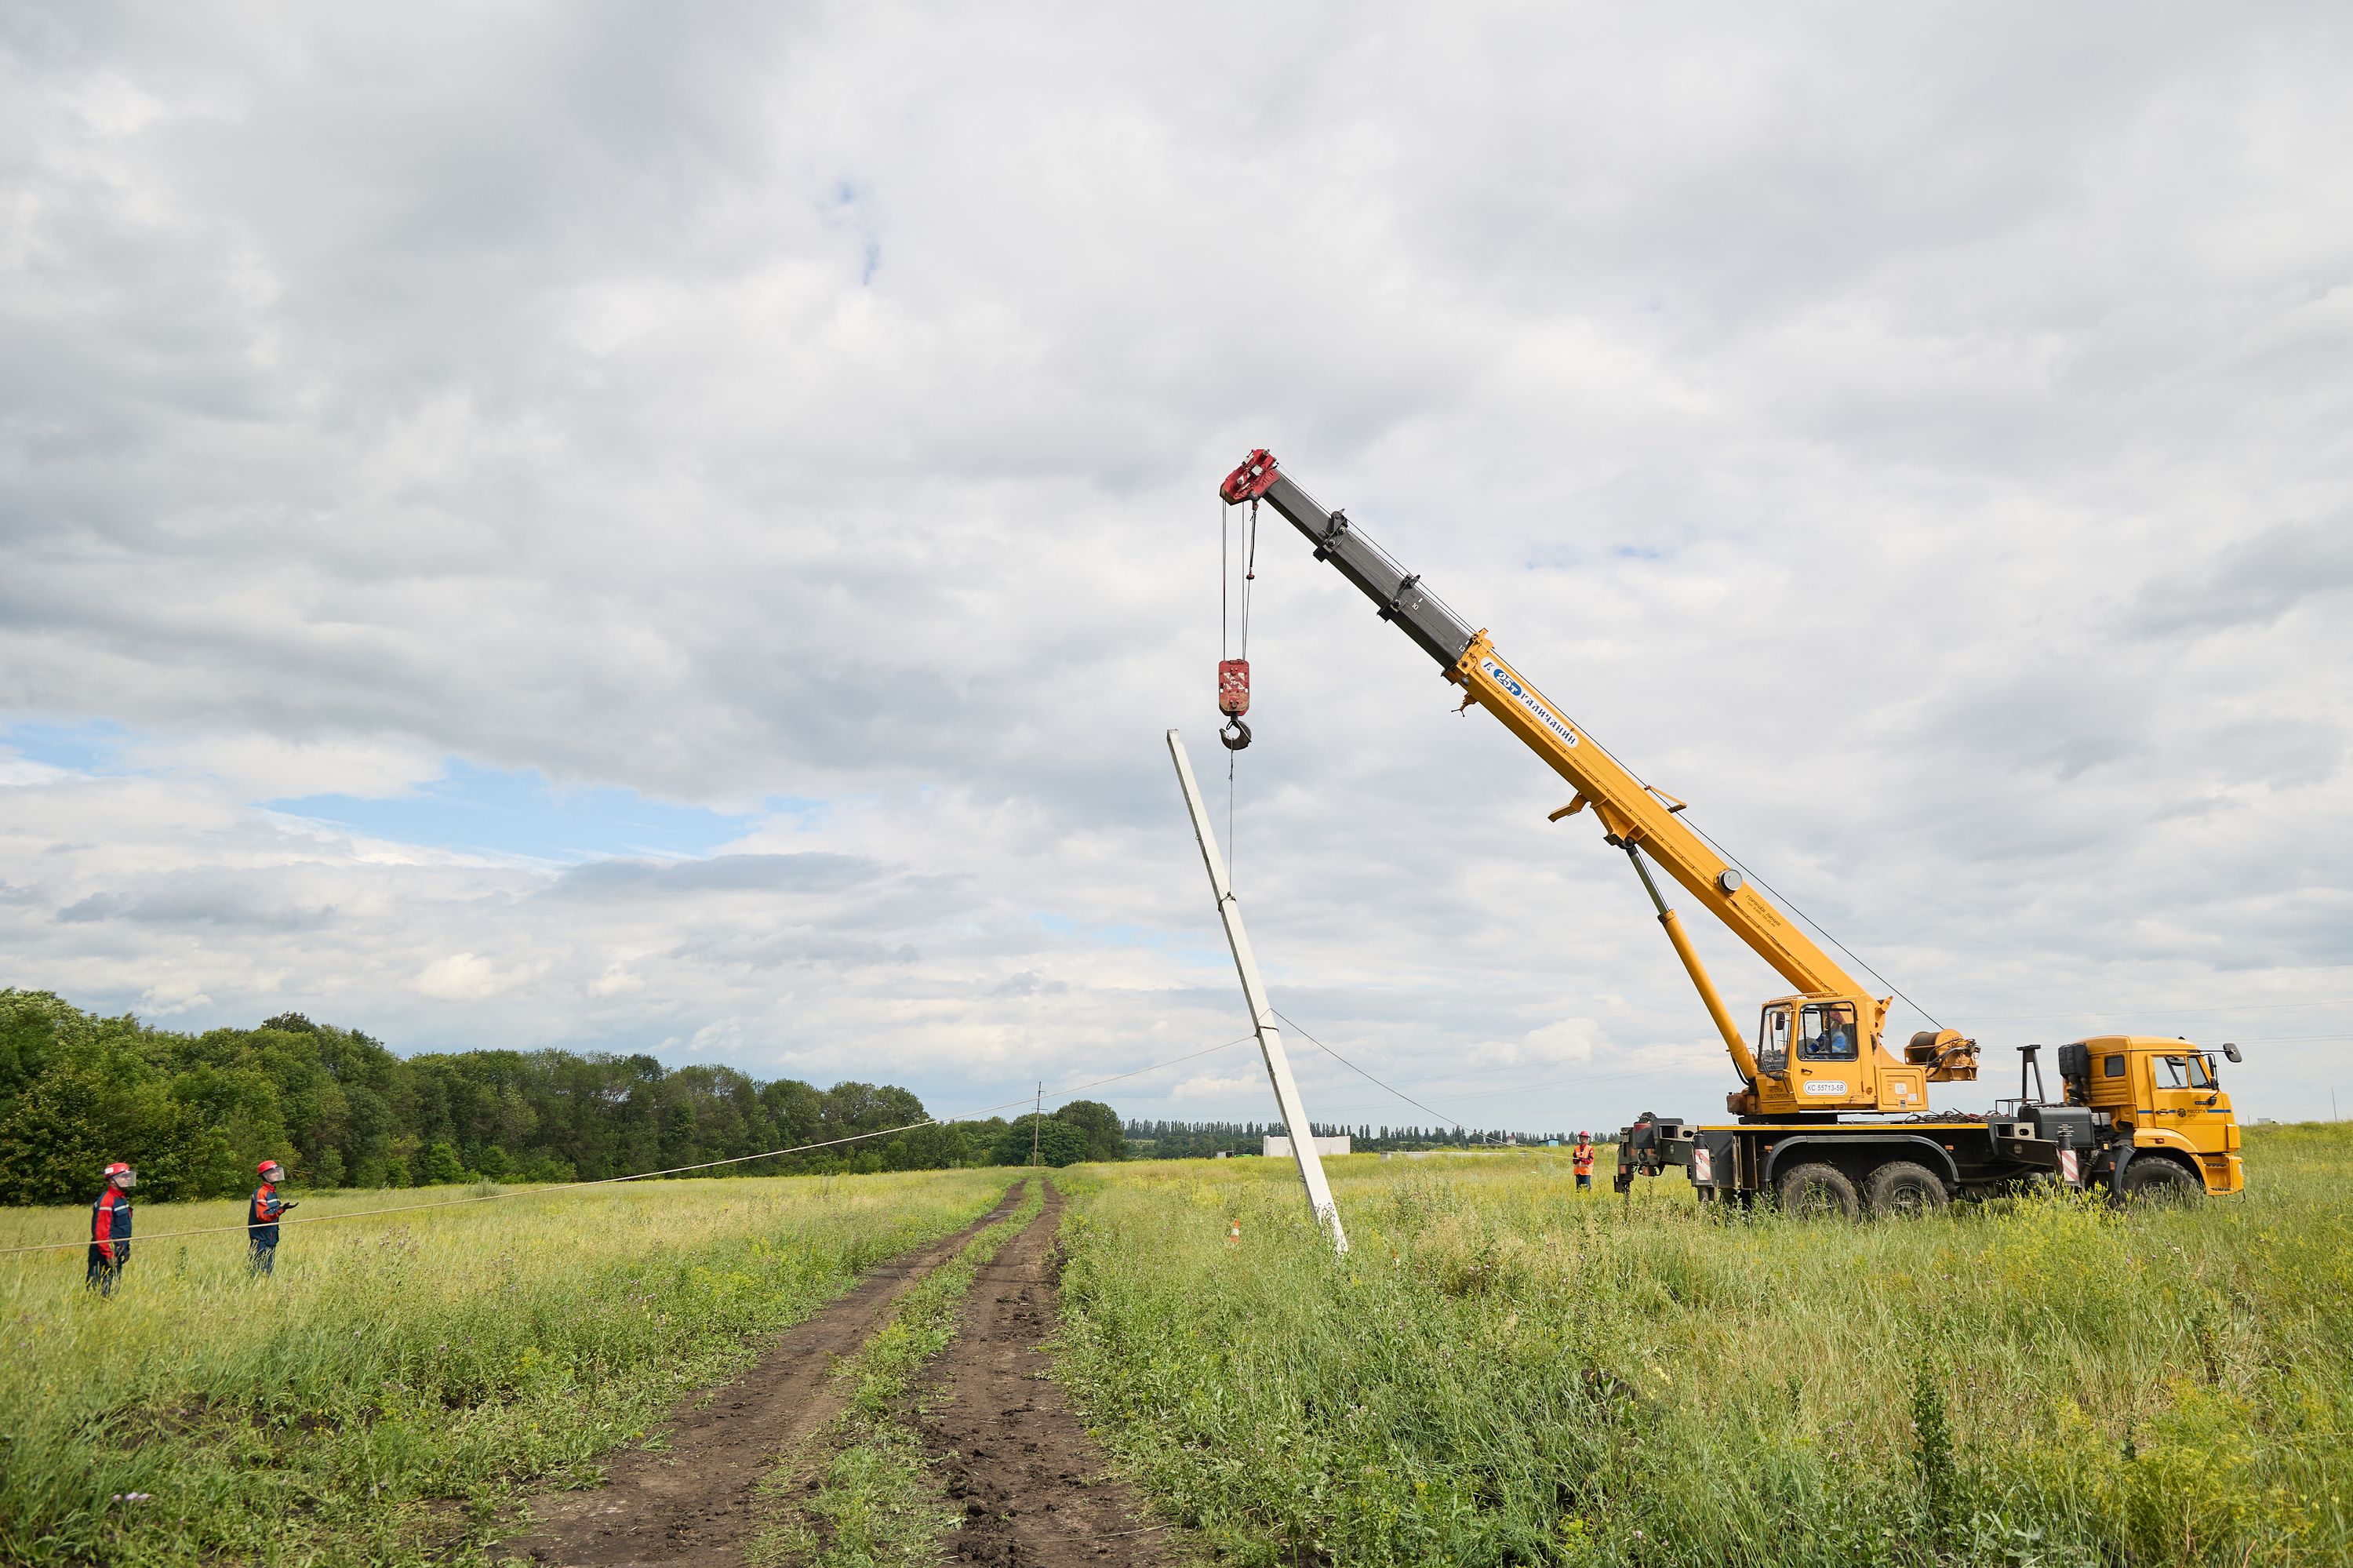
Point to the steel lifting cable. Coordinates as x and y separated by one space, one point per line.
1233 645
1234 667
1249 572
1362 1074
552 1188
1689 822
1817 925
1229 823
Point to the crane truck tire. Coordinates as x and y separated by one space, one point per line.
1814 1189
1902 1190
2157 1180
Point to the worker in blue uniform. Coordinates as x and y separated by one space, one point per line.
110 1229
261 1219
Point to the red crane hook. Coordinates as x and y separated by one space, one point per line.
1233 701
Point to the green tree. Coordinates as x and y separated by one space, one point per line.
438 1165
34 1026
1058 1143
82 1116
1107 1138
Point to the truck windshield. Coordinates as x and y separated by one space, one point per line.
1826 1033
2183 1073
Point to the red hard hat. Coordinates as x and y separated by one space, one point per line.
266 1167
117 1169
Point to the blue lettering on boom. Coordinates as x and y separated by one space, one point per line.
1528 700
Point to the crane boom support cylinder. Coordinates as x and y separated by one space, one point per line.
1742 1058
1270 1038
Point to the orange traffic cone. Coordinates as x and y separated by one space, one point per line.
1234 1233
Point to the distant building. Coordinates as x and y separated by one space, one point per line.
1281 1146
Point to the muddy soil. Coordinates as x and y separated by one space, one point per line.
1005 1438
690 1505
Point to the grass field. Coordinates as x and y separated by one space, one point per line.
446 1355
1503 1372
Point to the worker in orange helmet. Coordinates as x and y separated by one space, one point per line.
1582 1156
110 1229
261 1219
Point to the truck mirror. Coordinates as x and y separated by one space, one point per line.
2231 1052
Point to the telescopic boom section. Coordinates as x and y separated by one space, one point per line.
1632 815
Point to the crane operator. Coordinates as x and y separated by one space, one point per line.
1833 1044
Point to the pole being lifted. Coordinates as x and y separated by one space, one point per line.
1270 1039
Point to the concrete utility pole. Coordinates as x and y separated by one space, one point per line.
1270 1039
1037 1121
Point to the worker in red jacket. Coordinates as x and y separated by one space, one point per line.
110 1229
1582 1155
262 1218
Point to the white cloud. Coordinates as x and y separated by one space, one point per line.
1913 437
616 981
1219 1086
1570 1040
466 977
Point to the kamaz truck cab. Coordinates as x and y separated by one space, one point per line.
2156 1106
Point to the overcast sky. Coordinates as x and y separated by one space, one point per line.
632 529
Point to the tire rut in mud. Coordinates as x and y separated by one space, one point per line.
690 1505
1005 1438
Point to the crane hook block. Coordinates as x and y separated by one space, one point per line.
1250 481
1233 701
1233 687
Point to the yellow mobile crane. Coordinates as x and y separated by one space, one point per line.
2137 1114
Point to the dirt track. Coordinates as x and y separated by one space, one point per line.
690 1505
1006 1439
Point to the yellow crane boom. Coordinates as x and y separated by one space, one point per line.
1819 1051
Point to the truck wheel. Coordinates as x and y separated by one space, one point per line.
1902 1190
1814 1189
2154 1178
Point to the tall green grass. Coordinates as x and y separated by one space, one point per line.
450 1354
1502 1372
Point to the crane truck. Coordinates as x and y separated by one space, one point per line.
1828 1118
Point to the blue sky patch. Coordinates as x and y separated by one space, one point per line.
90 748
521 813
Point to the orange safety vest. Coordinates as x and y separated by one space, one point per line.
1583 1155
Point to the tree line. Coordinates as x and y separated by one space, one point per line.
194 1113
1197 1139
